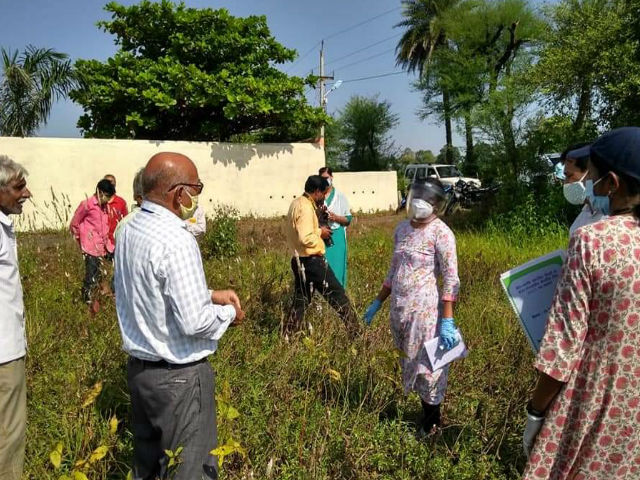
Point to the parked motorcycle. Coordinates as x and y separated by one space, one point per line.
466 195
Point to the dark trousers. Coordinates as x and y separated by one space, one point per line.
172 406
318 277
92 275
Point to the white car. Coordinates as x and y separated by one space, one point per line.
447 174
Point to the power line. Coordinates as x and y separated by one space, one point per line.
364 22
302 57
340 32
372 77
363 49
349 65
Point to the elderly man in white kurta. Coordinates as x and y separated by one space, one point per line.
13 345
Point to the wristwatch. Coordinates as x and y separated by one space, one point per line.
532 411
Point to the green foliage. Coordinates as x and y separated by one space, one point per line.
364 128
221 238
533 209
555 133
425 36
588 54
31 82
192 74
335 148
451 154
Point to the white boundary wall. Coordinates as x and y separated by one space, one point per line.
258 180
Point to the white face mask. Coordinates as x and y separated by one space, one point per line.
575 192
420 209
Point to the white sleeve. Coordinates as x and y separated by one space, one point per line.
186 288
344 205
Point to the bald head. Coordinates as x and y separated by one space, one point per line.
166 169
163 173
111 178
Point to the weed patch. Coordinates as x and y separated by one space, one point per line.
311 406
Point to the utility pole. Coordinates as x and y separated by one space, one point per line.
323 99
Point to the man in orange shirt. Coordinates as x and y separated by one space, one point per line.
117 209
311 272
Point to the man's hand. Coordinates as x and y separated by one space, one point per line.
239 316
325 232
226 297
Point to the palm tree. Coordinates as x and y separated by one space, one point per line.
31 82
424 35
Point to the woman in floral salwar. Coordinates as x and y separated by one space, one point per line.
420 310
583 419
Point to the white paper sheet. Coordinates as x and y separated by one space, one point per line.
439 357
530 288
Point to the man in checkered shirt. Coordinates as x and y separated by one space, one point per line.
170 323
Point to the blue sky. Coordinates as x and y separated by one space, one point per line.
69 26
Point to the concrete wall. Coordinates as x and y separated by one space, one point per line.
368 191
258 180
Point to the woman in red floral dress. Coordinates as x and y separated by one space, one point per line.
583 419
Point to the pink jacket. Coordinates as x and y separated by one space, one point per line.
90 227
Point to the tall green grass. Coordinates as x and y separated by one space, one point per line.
312 406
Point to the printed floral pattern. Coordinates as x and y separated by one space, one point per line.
420 257
592 342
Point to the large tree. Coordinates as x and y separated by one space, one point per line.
425 34
496 44
192 74
587 60
31 82
364 127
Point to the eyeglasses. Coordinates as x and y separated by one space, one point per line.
196 186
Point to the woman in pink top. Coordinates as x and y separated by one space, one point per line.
583 420
90 228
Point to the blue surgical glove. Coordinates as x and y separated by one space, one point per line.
448 333
371 311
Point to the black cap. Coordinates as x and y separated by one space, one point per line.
619 149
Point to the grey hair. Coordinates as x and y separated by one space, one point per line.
137 184
10 170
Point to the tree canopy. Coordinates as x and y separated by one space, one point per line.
31 82
359 138
192 74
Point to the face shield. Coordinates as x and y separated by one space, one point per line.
429 192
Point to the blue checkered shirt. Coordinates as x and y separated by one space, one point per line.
163 303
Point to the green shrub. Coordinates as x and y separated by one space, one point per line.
536 209
221 238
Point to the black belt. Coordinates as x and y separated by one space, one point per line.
164 363
311 257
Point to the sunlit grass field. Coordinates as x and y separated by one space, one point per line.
312 406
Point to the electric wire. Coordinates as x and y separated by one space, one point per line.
340 32
364 22
372 77
362 49
349 65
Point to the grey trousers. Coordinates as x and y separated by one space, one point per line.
172 407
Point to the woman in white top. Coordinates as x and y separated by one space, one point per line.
576 187
339 218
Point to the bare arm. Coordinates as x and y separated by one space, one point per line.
447 309
384 293
342 220
546 390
